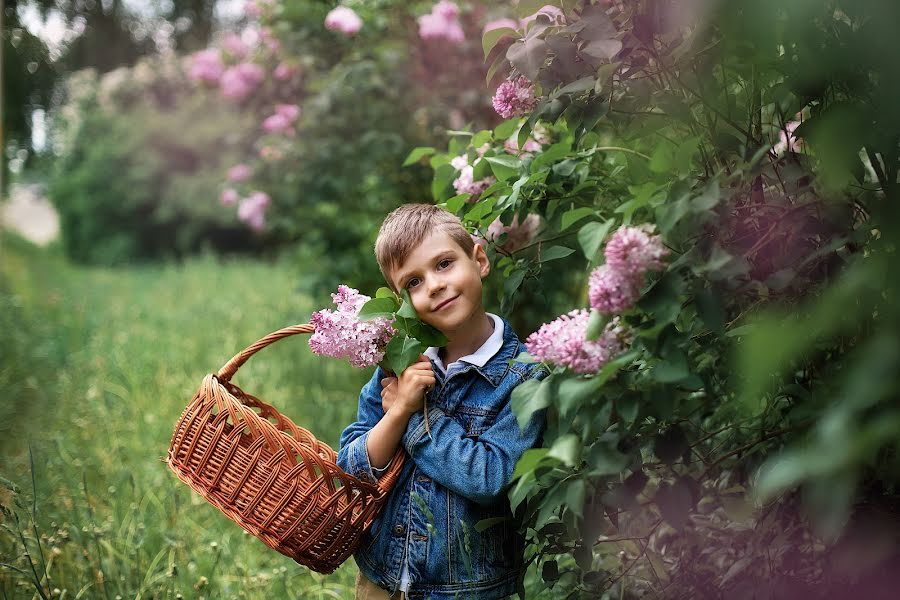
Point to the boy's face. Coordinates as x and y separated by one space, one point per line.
444 282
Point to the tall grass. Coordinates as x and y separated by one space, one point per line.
96 366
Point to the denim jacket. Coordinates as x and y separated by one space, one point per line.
456 477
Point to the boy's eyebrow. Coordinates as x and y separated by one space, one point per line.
403 277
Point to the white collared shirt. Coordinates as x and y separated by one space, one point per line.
479 358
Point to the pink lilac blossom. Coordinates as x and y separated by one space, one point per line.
252 210
459 162
465 183
635 250
343 20
235 46
341 334
277 124
788 142
239 172
241 80
442 23
288 111
206 67
512 146
270 40
517 236
564 342
228 197
283 71
612 291
514 98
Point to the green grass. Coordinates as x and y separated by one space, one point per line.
96 366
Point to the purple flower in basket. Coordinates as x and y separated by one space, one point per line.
341 334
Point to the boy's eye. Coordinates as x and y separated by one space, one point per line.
445 263
411 283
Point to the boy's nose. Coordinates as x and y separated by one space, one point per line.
435 284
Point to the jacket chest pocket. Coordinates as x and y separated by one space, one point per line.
475 420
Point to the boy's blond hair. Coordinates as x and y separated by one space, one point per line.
405 227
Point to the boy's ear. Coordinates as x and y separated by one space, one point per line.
481 257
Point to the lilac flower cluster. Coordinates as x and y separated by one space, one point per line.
343 20
514 98
282 120
442 23
630 253
252 210
563 342
465 182
340 333
517 235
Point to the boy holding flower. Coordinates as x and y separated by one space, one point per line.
463 449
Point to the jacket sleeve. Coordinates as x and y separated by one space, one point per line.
483 467
352 456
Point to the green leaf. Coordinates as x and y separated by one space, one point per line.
570 217
492 37
573 393
521 489
417 154
528 56
581 85
456 202
513 281
378 307
576 491
567 449
596 324
554 253
605 459
485 524
406 308
385 292
443 175
526 358
402 351
504 167
504 130
591 236
530 397
529 461
481 138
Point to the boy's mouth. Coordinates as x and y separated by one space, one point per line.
444 303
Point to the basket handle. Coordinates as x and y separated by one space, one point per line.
231 367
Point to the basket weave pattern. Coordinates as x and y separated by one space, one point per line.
271 477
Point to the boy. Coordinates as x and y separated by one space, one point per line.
424 543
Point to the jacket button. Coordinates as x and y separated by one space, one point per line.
398 529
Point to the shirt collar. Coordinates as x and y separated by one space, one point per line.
479 358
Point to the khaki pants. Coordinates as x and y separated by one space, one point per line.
366 590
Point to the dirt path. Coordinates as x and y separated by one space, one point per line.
30 214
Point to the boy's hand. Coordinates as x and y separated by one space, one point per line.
407 393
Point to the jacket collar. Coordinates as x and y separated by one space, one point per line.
498 365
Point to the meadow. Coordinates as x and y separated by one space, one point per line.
97 365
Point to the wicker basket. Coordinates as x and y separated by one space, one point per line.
274 479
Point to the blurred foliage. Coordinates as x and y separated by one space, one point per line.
761 139
138 180
28 79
